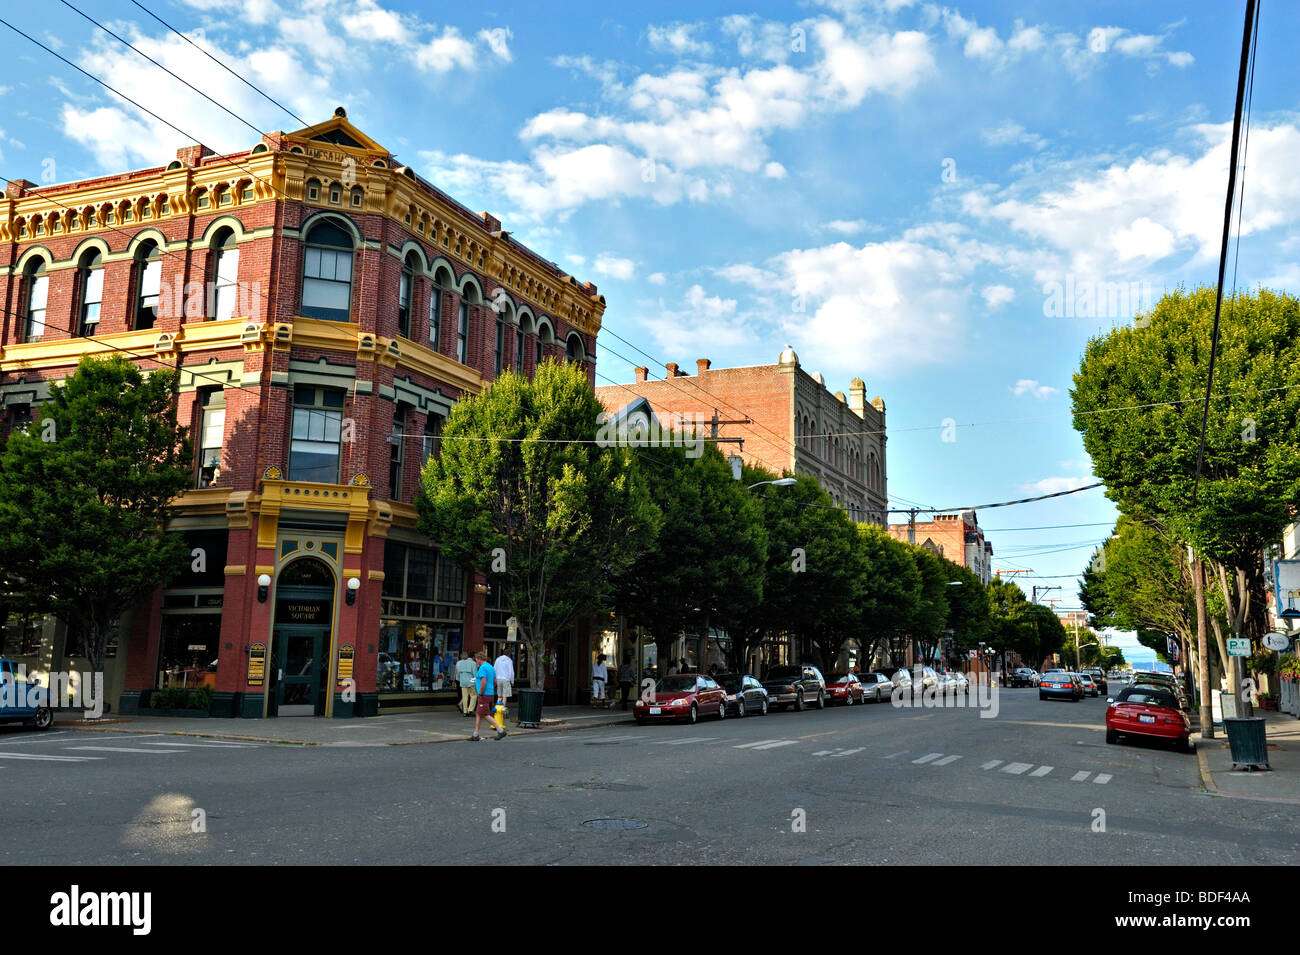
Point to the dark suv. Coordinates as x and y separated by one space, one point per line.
797 685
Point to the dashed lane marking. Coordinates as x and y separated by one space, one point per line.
927 757
1103 778
1080 777
945 761
49 759
992 764
1016 769
1042 771
776 744
123 749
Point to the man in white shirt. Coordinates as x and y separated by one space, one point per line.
599 676
505 668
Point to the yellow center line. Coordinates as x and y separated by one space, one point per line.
1068 726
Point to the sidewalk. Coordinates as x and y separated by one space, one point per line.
394 730
1280 785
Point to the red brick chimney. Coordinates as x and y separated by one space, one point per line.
641 373
492 222
702 365
672 369
17 188
191 155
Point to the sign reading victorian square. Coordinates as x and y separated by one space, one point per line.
310 612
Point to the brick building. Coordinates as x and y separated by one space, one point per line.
957 537
325 308
794 423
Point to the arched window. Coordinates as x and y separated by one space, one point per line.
148 261
441 280
327 273
91 278
573 348
38 290
405 292
225 275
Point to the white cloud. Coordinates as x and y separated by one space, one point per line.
372 23
498 41
845 226
774 170
656 278
1028 386
675 328
677 38
446 52
613 266
998 295
1054 485
1010 133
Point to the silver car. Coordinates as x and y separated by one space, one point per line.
876 686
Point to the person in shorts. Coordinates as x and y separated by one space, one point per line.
485 679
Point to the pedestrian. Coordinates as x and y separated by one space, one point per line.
485 678
626 677
599 676
672 668
683 668
465 677
505 671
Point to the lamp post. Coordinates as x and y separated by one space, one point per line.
779 482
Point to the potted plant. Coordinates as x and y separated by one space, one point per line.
1266 701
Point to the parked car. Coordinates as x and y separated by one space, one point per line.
899 677
745 694
23 699
1023 676
1089 687
1099 678
877 686
1163 679
953 681
796 686
683 696
1148 709
1058 684
843 688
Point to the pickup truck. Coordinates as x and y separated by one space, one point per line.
22 699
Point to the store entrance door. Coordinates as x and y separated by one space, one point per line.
300 656
300 639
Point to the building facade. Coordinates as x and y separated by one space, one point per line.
957 537
325 308
788 422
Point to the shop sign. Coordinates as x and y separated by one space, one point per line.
304 612
1277 641
1238 646
346 653
256 664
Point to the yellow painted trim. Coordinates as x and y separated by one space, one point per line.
419 358
376 575
236 570
261 569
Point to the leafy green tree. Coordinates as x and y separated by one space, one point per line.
891 591
1136 404
523 491
707 569
927 623
968 607
84 499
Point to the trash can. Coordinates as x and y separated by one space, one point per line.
1247 740
530 708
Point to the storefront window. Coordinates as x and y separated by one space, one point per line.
22 635
188 653
420 637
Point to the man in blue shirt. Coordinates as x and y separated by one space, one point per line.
485 678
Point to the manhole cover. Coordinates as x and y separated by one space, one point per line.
615 824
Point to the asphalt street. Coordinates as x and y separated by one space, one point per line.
868 784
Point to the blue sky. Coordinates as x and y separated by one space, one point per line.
893 188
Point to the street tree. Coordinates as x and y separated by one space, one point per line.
522 490
1135 403
84 499
890 595
707 567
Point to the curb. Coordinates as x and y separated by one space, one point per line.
563 726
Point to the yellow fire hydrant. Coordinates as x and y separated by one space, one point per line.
501 714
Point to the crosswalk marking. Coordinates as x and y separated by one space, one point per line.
1042 771
122 749
1080 777
1102 778
1017 768
892 755
755 744
850 752
823 752
945 761
927 757
991 764
684 742
50 759
776 744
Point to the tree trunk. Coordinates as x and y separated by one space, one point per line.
1203 649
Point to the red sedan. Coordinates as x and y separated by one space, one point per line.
1148 710
843 688
683 696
